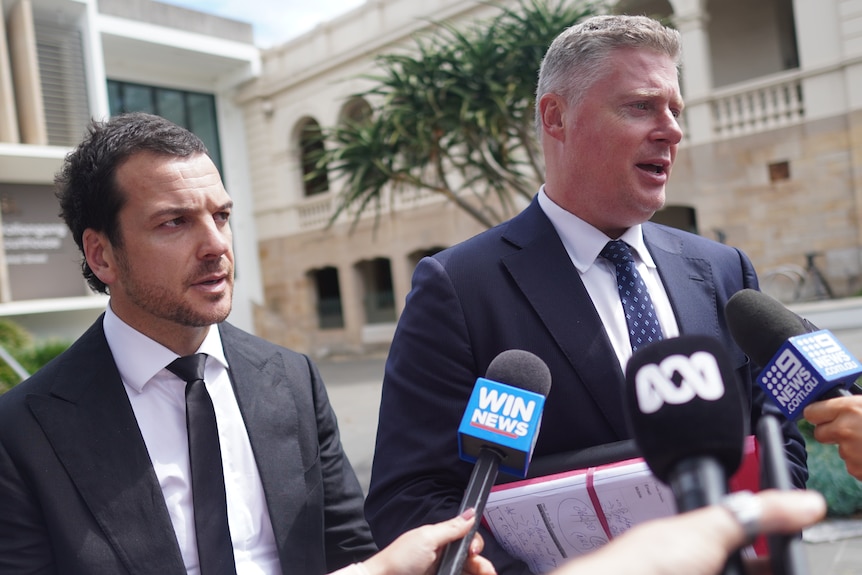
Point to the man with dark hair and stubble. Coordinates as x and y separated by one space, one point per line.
100 471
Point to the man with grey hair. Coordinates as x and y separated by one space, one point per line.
607 111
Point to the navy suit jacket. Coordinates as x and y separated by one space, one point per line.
514 287
78 494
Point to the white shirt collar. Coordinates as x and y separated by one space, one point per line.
139 358
584 242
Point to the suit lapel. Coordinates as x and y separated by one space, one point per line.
269 412
688 280
543 272
90 424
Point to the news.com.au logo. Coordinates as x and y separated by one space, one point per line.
797 370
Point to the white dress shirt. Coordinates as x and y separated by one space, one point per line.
583 243
158 400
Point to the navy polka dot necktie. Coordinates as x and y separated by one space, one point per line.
640 314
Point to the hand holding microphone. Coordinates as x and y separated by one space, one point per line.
839 421
804 370
498 432
815 381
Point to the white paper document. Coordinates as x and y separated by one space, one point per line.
548 520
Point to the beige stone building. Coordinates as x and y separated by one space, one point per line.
771 162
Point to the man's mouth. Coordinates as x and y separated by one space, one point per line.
654 168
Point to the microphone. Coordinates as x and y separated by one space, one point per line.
786 554
800 362
686 414
498 431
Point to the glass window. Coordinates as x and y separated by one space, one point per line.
192 110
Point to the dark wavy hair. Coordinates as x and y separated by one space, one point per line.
86 184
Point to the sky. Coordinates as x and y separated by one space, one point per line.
274 21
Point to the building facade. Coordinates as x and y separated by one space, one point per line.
65 61
771 161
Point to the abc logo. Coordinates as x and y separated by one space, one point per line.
698 376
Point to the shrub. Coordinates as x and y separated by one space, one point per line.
31 355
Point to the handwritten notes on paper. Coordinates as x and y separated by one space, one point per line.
547 520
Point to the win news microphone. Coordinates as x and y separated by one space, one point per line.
498 432
800 362
687 417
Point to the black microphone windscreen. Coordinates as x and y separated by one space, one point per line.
683 401
522 369
760 324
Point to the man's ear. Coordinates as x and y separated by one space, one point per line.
100 256
552 110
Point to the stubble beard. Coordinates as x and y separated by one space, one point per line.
159 301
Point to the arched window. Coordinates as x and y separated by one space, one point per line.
356 111
311 146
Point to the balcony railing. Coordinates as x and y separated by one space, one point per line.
758 106
314 212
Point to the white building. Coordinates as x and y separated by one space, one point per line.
65 61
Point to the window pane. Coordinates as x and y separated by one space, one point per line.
138 99
115 98
170 105
202 121
190 110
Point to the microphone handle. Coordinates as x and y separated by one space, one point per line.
786 555
697 482
476 496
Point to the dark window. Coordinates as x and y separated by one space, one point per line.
329 313
379 293
191 110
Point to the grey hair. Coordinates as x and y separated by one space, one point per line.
576 58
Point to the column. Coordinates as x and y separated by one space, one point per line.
690 18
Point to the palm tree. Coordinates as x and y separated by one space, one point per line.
454 117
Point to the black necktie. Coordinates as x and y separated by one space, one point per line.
215 550
640 314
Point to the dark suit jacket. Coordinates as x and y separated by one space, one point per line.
514 287
78 494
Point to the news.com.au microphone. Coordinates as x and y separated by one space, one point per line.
498 431
800 362
686 415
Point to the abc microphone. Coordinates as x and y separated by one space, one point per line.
498 432
687 417
800 362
